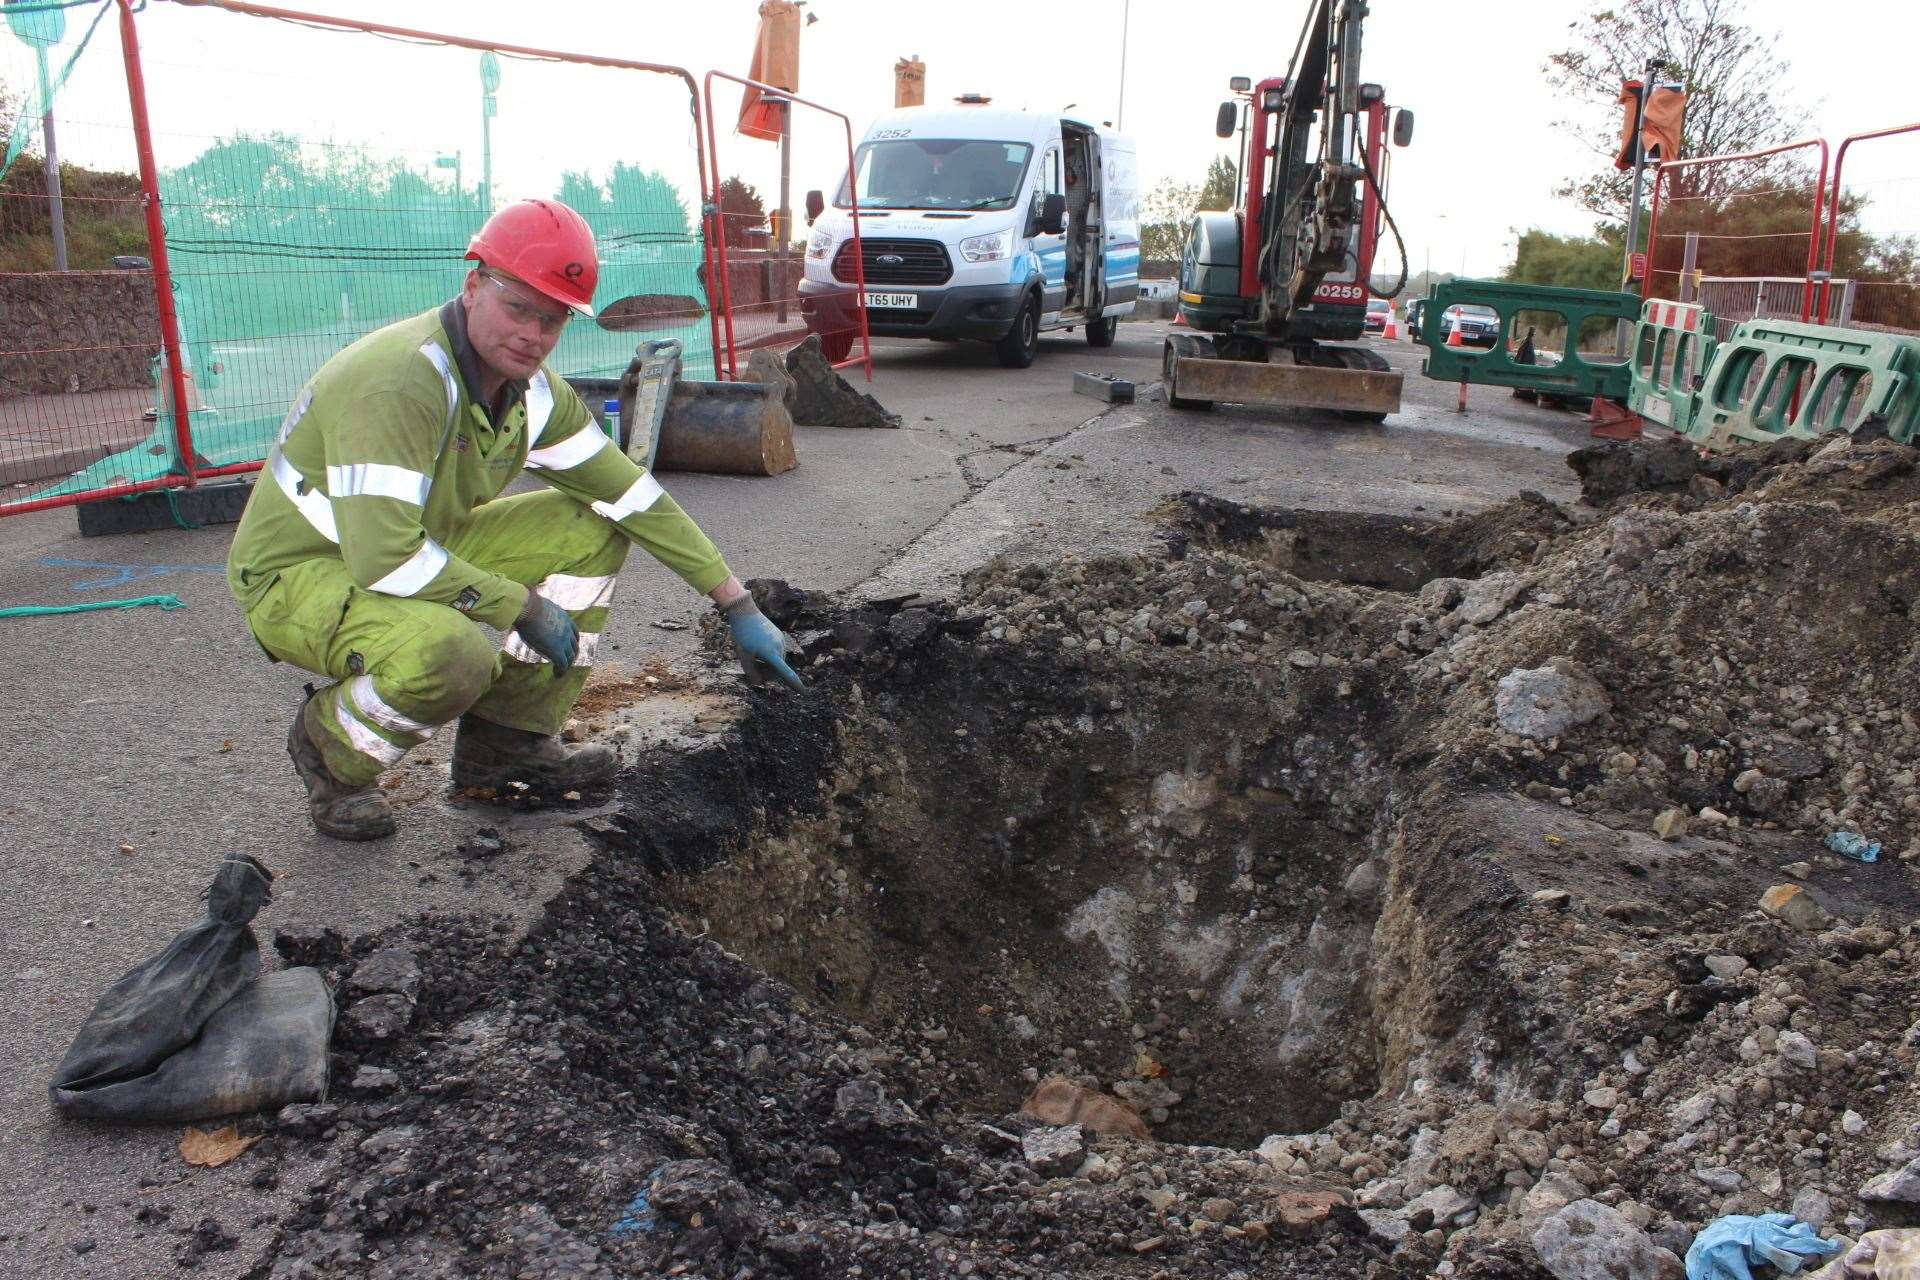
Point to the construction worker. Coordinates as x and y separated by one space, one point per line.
376 543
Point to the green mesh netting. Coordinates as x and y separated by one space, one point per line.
286 247
42 23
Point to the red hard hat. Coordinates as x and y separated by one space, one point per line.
545 244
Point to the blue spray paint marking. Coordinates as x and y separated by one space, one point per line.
639 1215
118 575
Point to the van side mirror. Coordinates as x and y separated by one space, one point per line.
1226 120
1402 127
1053 214
816 205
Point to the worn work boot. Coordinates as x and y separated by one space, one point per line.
338 810
490 757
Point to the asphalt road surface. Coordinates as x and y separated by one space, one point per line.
165 730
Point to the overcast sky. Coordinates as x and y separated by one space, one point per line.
1484 161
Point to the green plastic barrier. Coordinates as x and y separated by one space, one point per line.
1777 378
1672 348
1572 373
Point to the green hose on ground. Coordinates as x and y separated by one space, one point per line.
42 610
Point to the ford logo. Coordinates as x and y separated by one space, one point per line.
890 259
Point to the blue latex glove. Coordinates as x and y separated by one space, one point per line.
1726 1248
1854 845
549 632
760 646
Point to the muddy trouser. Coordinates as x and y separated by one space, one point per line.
405 667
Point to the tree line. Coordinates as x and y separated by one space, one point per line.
1751 218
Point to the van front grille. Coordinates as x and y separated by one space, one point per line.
895 262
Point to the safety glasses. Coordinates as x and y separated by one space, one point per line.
522 311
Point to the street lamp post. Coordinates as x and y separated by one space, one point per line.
1439 217
1623 330
489 107
43 28
56 212
785 215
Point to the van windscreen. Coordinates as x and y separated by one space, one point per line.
938 173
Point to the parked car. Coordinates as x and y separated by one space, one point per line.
1378 309
1479 326
1415 310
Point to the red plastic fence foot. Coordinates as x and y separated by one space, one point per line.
1607 420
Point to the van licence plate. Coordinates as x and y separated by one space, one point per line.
890 301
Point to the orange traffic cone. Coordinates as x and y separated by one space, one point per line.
1453 334
1392 332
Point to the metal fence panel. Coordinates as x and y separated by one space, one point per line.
1873 232
758 260
287 218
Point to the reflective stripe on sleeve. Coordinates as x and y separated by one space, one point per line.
640 496
581 447
378 480
314 505
365 740
439 359
539 404
420 568
519 649
299 411
368 702
574 594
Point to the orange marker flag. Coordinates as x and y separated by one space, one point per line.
1660 123
776 61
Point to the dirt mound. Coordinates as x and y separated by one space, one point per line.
819 397
1866 474
1332 847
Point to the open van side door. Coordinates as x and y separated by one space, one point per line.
1093 292
1050 249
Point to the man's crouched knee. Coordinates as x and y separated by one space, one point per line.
441 671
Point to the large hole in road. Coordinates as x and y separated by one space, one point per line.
1151 884
1366 548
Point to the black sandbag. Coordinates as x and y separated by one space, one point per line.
261 1050
161 1006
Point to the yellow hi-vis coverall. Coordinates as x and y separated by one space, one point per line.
372 545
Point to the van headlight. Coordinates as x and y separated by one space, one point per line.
997 244
821 242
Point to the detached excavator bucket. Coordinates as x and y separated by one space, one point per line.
1287 386
726 428
1196 376
670 423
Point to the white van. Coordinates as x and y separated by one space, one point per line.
978 222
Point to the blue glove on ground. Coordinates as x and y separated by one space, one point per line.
549 632
760 646
1727 1246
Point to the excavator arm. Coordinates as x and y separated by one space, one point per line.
1314 203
